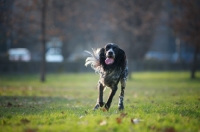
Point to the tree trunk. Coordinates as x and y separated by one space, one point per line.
193 70
43 62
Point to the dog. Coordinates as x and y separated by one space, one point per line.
111 64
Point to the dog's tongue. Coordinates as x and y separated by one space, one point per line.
109 61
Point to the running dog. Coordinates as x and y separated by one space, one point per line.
111 64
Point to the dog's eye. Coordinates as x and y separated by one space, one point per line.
114 48
107 48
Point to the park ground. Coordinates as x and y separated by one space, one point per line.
154 101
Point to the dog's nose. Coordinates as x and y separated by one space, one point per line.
110 53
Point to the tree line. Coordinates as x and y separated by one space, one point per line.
93 23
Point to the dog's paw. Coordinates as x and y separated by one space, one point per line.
107 107
121 107
96 107
101 104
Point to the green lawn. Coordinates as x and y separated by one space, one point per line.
154 101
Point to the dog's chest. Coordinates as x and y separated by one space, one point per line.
110 78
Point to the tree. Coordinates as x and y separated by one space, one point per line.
186 24
5 31
33 22
28 14
43 28
137 20
130 24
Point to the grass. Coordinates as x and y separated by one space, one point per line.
154 101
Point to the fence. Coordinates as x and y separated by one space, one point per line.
34 67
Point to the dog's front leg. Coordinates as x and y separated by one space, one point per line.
111 95
100 102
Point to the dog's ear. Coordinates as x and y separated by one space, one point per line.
102 56
122 59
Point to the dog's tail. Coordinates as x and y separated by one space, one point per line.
93 60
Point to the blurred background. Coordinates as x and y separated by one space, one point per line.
43 36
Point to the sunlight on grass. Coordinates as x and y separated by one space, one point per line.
158 101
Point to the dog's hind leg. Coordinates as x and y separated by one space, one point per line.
121 96
121 99
100 102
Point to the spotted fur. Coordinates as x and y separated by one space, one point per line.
110 74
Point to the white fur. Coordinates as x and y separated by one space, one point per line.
110 50
93 60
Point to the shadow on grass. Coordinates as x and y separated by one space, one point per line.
22 105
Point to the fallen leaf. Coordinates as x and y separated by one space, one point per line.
169 129
132 106
152 127
81 117
135 121
122 115
86 112
104 109
30 130
9 104
19 105
25 121
4 122
119 120
103 123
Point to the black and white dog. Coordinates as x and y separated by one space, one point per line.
111 64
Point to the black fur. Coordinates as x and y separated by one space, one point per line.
110 74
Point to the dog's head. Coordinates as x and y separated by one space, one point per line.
110 52
111 55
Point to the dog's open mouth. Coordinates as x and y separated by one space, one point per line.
109 61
